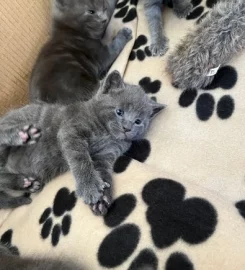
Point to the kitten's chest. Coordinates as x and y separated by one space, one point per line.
104 146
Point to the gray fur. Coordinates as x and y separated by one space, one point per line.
153 11
85 137
10 261
219 37
74 59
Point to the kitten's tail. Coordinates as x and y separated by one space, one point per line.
9 260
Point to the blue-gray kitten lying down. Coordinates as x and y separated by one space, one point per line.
85 137
153 11
219 37
70 65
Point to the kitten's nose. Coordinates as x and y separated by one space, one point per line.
104 21
126 129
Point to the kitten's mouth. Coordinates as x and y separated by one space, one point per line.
127 135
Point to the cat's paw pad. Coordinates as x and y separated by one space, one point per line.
29 134
127 33
160 48
32 184
184 10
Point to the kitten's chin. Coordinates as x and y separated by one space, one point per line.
132 137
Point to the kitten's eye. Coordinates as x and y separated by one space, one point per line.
138 122
119 112
91 11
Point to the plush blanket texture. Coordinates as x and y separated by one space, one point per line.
179 194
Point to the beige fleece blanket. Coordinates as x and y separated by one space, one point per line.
179 194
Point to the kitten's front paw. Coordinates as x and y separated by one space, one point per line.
93 191
102 206
31 184
29 134
184 10
159 48
126 33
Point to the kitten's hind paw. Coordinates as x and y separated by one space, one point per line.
32 184
184 10
159 48
29 134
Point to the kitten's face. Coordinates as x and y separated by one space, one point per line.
132 110
89 16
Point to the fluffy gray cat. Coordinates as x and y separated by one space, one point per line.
84 137
74 59
153 11
219 37
9 260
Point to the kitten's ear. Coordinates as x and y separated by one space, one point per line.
156 108
113 80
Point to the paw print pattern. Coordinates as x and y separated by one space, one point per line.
139 150
178 261
241 208
166 199
145 260
118 246
137 51
127 10
149 86
64 202
226 79
197 220
198 10
6 239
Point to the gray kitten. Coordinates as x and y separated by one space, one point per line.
9 260
74 59
153 11
84 137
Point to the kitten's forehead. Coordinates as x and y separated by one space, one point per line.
96 4
134 99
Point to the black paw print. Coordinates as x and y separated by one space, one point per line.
64 202
139 150
6 239
127 10
139 52
150 87
170 216
226 79
241 208
198 10
192 220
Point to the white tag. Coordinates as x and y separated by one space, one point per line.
213 71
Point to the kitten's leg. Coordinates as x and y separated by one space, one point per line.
103 166
89 184
182 8
159 42
12 181
18 135
115 48
7 201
